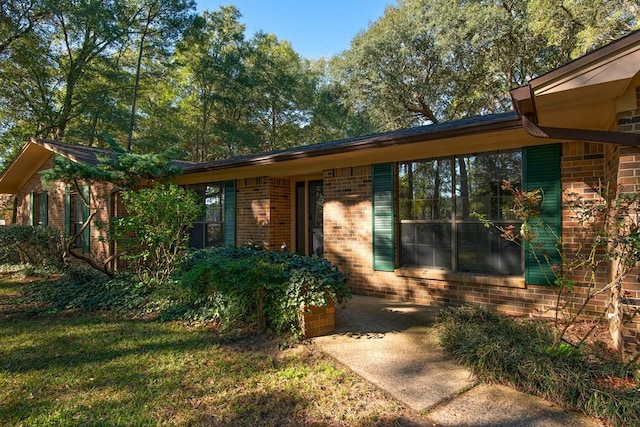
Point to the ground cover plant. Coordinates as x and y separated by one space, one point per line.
521 353
235 288
73 367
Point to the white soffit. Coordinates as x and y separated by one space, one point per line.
586 98
614 72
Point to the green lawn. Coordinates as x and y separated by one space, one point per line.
78 369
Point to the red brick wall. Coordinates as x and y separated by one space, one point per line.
624 171
6 208
263 212
347 225
252 211
348 234
100 196
583 172
280 198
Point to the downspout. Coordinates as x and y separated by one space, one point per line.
606 137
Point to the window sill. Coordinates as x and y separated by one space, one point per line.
467 278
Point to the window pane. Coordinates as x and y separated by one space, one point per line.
37 216
213 203
215 236
482 250
432 192
479 184
199 190
196 236
426 244
208 230
426 190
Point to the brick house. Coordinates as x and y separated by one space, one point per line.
393 210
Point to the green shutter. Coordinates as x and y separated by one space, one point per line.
86 236
230 213
383 218
44 208
542 170
32 206
67 212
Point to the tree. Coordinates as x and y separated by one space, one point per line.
281 89
156 23
393 69
426 61
331 117
579 26
124 170
154 234
214 86
46 76
17 19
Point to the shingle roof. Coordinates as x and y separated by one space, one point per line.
443 130
87 155
75 152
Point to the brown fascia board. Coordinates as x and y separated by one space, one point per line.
522 99
441 131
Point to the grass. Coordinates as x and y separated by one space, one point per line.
74 368
518 353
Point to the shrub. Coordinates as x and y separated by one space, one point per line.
267 288
154 234
39 246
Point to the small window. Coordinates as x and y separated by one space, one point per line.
39 209
209 229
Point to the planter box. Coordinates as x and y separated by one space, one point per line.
319 321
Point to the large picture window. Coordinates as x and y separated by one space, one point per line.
209 229
437 199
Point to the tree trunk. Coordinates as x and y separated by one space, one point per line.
616 314
136 84
464 187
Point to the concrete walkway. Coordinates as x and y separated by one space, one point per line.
392 345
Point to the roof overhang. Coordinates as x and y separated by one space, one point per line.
586 93
506 133
30 159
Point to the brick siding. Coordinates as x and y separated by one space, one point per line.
624 170
348 242
263 212
100 197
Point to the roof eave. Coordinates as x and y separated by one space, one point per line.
9 180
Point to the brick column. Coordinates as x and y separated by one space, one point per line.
624 164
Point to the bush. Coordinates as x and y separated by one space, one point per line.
500 349
270 289
154 234
39 246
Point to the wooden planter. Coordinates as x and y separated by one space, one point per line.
319 321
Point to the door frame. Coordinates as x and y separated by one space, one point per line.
299 185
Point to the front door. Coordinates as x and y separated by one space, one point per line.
309 231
